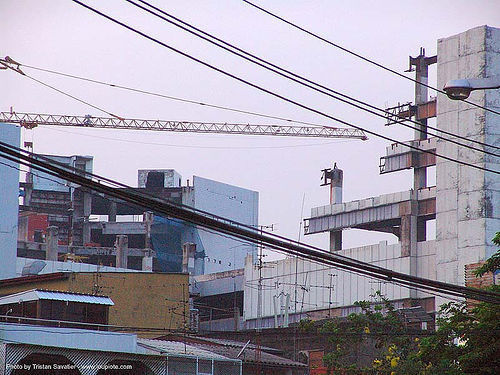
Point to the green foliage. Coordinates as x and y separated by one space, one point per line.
493 263
466 342
376 327
306 325
468 338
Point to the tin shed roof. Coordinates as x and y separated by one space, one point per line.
38 294
176 348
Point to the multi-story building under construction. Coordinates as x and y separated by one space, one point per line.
464 203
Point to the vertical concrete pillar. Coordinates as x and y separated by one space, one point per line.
52 243
112 212
147 263
188 251
121 245
236 319
148 218
87 211
336 185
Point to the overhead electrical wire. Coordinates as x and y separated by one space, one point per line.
48 170
173 210
72 96
260 88
427 290
360 56
145 194
307 82
175 98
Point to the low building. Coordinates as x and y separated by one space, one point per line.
58 309
142 300
29 349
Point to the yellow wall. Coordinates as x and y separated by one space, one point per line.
145 300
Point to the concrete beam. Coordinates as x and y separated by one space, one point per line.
383 211
116 228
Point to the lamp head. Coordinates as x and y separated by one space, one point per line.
458 89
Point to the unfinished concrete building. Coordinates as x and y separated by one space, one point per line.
464 203
58 219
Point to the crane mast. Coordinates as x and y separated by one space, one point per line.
32 120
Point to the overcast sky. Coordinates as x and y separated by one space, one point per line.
63 36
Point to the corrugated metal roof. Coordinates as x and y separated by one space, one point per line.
249 355
176 348
237 344
37 294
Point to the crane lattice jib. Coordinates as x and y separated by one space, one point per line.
31 120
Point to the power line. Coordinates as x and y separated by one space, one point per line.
267 91
296 77
358 55
72 96
190 101
56 174
173 210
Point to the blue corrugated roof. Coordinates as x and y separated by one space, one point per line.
37 294
74 297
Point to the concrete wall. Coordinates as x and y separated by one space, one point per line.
170 177
232 202
467 199
314 280
44 181
9 193
155 300
56 266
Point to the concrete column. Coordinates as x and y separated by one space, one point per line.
87 211
52 243
121 245
147 263
336 184
148 219
236 319
188 251
112 212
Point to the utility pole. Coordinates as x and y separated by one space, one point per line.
259 301
330 302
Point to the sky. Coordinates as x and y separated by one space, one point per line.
63 36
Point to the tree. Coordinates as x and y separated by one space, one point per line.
374 340
467 340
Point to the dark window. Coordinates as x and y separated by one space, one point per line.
154 180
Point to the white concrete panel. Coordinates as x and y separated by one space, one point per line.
471 233
446 251
446 200
231 202
472 41
446 225
446 176
471 205
448 49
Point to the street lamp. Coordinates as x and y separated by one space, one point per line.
460 89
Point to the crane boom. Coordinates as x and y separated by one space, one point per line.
31 120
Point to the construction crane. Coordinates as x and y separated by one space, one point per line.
32 120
